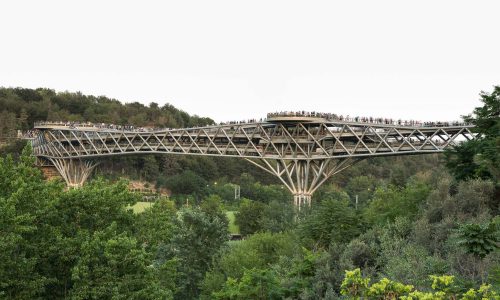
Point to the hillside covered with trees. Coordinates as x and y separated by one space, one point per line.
20 108
423 227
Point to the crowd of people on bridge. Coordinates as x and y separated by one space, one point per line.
243 122
74 125
270 116
30 134
357 119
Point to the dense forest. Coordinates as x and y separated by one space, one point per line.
414 227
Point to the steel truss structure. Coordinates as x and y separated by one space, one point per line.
302 152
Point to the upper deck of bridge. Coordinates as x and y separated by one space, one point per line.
272 118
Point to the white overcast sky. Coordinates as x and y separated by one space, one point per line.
232 60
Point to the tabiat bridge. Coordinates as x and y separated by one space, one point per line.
302 150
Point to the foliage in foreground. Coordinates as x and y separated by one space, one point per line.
88 244
355 286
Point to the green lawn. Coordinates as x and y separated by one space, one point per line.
233 228
141 206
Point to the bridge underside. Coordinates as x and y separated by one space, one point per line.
303 177
75 172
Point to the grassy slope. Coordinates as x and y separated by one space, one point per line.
141 206
233 228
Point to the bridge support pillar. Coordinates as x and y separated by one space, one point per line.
303 177
301 200
74 171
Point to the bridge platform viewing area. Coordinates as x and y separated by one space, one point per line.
302 149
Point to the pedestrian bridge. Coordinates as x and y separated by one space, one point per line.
302 149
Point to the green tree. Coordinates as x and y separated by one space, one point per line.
330 221
462 162
187 183
156 225
390 201
354 284
479 239
22 120
25 201
8 125
298 274
148 167
95 206
43 227
249 216
225 191
278 217
480 158
255 284
259 251
197 238
77 215
112 265
361 186
213 207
